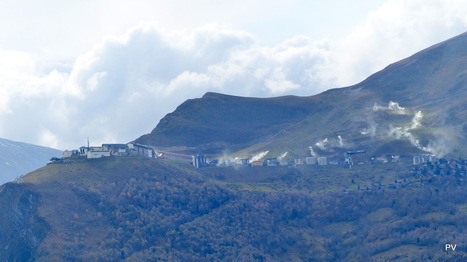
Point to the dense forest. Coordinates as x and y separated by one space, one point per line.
155 220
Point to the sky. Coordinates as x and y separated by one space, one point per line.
110 70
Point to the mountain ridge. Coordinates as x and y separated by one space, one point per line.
233 128
432 82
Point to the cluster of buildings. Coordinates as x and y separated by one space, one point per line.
422 159
350 159
322 161
441 167
201 161
106 150
426 169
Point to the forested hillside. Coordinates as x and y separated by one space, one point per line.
138 209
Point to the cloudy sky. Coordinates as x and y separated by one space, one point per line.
110 70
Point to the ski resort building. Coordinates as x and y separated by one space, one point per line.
322 161
70 153
422 159
257 163
272 162
244 161
116 149
298 161
107 150
97 154
310 160
199 161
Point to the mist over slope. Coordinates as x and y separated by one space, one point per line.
17 159
417 105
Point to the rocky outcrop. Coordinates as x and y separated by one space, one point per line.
21 227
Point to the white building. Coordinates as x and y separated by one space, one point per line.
142 150
322 161
97 154
298 161
67 153
311 160
422 159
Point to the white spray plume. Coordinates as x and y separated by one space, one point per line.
371 130
281 157
341 142
312 152
259 156
416 120
392 106
439 147
404 132
322 144
399 133
368 131
225 160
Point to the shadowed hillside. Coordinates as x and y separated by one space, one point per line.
216 122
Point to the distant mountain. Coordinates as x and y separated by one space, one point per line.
18 158
413 106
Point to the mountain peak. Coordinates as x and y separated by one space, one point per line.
214 95
430 85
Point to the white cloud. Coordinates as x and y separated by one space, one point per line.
4 102
48 138
126 84
278 83
93 82
397 30
121 87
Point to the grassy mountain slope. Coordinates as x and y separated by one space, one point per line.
139 209
432 82
217 121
